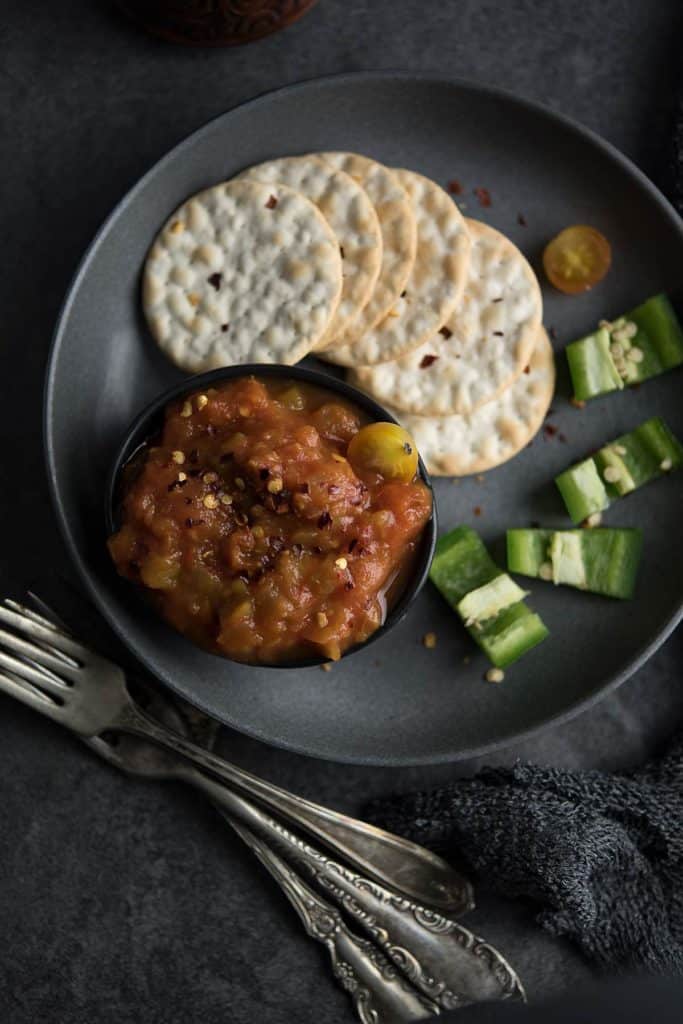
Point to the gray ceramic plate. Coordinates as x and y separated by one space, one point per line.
396 702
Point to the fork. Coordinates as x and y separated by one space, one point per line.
87 693
446 965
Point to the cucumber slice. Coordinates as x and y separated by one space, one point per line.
485 597
641 344
603 561
487 601
649 451
512 633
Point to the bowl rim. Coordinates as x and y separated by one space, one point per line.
141 428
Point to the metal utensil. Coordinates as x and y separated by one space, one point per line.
449 965
88 694
380 993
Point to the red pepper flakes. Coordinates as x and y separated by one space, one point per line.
454 187
445 332
224 327
483 196
549 430
272 203
427 361
521 220
341 251
477 510
578 403
527 369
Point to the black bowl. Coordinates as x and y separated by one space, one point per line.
149 421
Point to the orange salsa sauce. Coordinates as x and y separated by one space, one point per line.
256 536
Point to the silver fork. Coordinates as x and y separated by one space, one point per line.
88 694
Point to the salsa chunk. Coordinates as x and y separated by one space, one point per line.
255 533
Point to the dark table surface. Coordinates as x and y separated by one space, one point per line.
122 901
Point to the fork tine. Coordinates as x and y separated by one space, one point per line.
52 620
26 693
40 654
49 634
34 675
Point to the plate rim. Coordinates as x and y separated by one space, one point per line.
398 75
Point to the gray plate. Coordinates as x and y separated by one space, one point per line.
396 702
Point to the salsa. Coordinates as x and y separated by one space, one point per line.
257 536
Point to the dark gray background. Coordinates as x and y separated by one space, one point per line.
121 901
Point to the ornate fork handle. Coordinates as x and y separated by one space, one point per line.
444 961
395 861
380 993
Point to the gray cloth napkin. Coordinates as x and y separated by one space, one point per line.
600 856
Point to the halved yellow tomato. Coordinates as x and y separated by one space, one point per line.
384 448
577 258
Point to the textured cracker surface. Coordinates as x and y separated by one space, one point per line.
435 285
483 346
242 273
399 236
460 445
351 215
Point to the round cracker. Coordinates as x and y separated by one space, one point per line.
461 445
242 273
435 285
483 346
399 237
350 214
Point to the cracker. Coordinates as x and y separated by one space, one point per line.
435 285
242 273
483 346
461 445
399 237
350 214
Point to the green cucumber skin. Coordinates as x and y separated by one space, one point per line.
660 328
591 366
527 550
646 448
512 633
659 338
611 556
461 564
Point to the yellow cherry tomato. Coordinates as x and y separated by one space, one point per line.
384 448
576 259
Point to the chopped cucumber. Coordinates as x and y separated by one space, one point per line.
641 344
649 451
485 597
603 561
